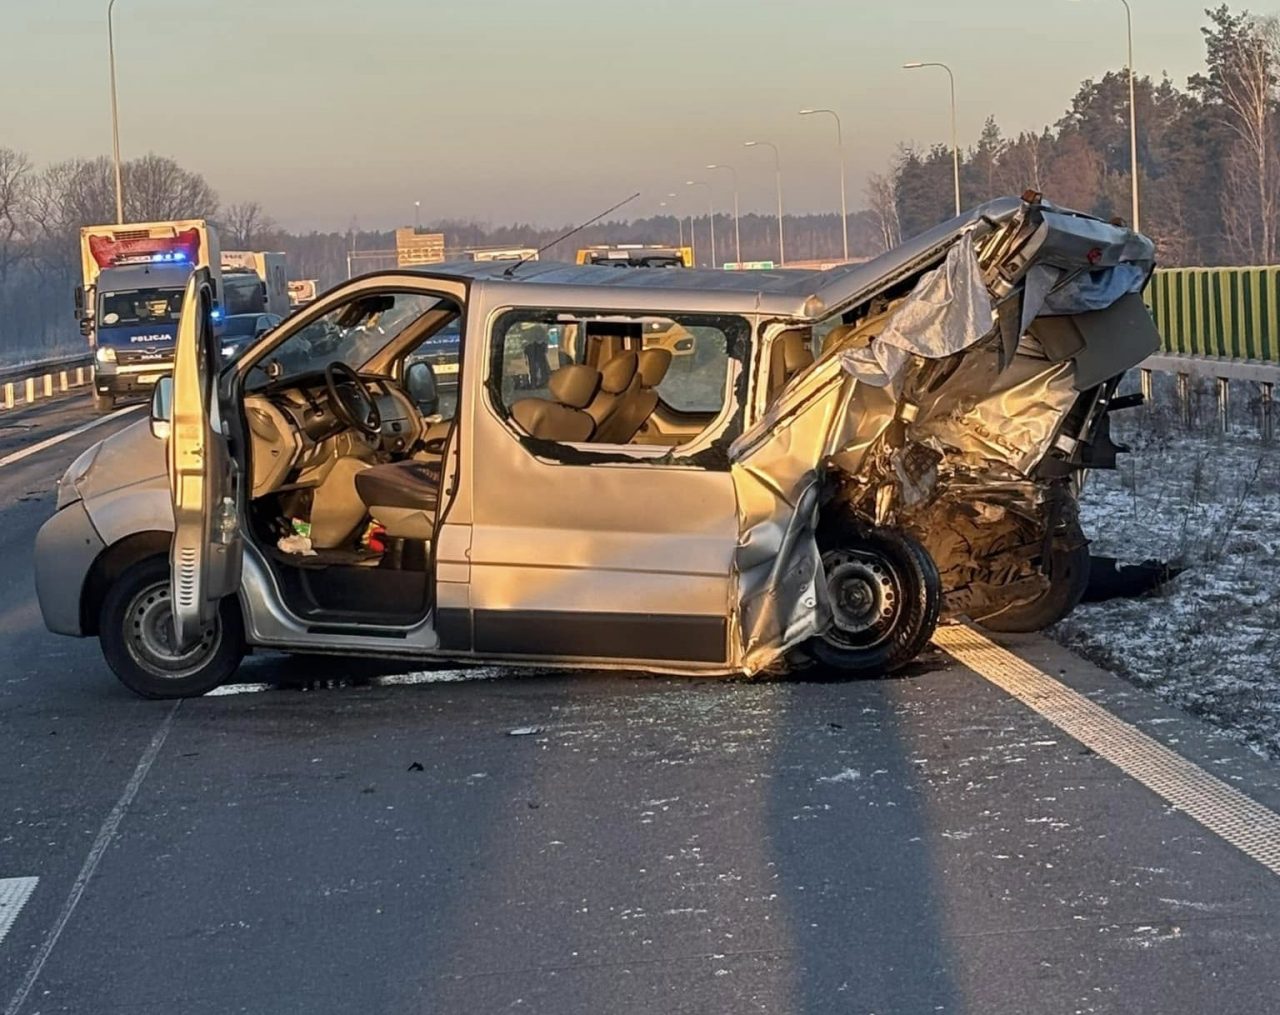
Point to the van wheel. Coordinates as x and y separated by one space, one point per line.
1068 579
103 403
135 630
885 597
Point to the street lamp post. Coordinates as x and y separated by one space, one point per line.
417 216
115 114
955 136
844 211
1133 123
737 234
679 220
777 175
711 215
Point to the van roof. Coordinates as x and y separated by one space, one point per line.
793 292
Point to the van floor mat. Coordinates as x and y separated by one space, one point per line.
327 558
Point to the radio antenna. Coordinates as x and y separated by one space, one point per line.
576 229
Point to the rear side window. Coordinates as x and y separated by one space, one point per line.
688 363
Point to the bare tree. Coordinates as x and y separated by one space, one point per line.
882 198
15 173
243 224
1251 205
156 188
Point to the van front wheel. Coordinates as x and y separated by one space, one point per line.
885 596
135 630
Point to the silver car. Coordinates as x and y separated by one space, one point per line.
505 462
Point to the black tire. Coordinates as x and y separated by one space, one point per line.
132 627
885 597
103 403
1068 580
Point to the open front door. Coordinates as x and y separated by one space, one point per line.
205 557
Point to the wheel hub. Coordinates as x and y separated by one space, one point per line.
150 638
864 594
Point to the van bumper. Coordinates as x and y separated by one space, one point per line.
130 379
66 547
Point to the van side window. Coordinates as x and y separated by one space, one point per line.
656 380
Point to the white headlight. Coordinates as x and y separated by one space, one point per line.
105 354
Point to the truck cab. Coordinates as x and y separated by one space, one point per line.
135 322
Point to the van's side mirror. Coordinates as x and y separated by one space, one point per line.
162 407
79 301
420 380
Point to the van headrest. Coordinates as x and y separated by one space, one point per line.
795 352
616 375
574 385
653 367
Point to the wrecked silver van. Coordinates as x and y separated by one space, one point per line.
505 462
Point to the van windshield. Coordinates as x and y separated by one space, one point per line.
352 333
140 306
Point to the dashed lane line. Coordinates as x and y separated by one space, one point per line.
14 893
1219 807
105 834
49 442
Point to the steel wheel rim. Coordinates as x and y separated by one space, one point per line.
149 637
866 598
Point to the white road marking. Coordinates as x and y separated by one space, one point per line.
14 893
49 442
105 834
1219 807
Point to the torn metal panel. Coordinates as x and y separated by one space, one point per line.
949 310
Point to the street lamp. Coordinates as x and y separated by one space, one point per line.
115 114
844 212
1133 121
737 235
679 220
417 216
777 172
955 137
711 215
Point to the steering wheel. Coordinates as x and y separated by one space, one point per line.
351 400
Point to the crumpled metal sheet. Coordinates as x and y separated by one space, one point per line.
949 310
1014 421
775 474
917 431
1047 294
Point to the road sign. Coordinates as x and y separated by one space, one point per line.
747 265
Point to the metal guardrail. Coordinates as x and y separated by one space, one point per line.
29 382
1222 370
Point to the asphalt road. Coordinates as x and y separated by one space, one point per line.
595 843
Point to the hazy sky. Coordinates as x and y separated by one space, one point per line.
547 110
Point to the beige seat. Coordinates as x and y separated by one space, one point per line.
561 417
789 355
637 408
619 382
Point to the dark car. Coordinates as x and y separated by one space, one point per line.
238 331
